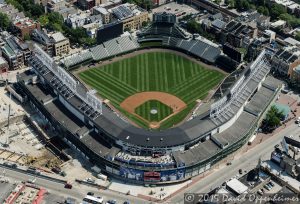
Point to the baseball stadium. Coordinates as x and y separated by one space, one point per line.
154 114
148 92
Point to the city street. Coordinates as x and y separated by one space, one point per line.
246 161
78 191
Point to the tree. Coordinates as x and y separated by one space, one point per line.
4 21
218 1
242 5
144 23
36 10
193 27
273 118
297 36
231 3
260 9
276 10
290 19
26 37
44 20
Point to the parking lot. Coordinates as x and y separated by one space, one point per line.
179 10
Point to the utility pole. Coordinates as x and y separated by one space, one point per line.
8 117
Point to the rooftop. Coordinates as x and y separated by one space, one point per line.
278 23
58 37
237 186
2 60
292 41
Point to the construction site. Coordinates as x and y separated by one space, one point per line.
21 139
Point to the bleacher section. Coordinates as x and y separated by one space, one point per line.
107 49
78 58
160 30
198 48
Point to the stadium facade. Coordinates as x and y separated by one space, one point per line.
126 152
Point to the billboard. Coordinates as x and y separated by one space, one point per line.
163 176
133 174
233 53
151 176
172 175
109 31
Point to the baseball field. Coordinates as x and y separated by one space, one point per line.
154 87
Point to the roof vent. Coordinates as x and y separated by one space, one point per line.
148 139
161 139
127 137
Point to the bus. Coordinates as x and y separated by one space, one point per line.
92 199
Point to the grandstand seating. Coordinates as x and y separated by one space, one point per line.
228 108
147 161
162 29
196 47
77 58
99 52
107 49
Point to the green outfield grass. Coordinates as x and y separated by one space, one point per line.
155 71
145 109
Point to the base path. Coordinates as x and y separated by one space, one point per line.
134 101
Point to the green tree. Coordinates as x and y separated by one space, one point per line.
273 118
44 20
27 37
263 10
88 41
193 26
297 37
290 19
144 23
276 10
218 1
231 3
242 5
4 21
36 10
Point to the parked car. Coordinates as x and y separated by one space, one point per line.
90 193
267 187
111 202
68 186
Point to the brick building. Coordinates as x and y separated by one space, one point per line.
26 27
